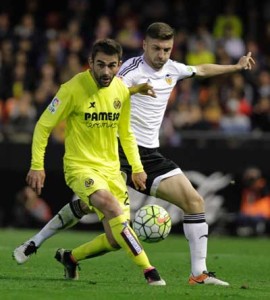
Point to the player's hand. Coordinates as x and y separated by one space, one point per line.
147 89
246 62
139 180
144 89
35 179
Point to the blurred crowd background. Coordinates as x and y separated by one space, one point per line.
217 124
45 43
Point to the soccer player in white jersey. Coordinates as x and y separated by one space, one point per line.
96 106
165 179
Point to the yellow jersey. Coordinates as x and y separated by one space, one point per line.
94 117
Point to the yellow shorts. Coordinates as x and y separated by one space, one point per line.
88 181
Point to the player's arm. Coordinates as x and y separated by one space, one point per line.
208 70
130 147
54 113
142 88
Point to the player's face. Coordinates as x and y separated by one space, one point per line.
157 52
104 68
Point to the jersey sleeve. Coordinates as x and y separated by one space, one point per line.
57 110
127 138
185 71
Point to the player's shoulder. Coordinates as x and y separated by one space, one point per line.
175 64
118 80
118 84
130 65
77 80
179 68
78 77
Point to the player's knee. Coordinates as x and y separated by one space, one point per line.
106 203
79 208
194 204
84 207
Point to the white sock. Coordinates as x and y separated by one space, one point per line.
196 232
65 218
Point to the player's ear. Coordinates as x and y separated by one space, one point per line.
90 61
144 45
120 63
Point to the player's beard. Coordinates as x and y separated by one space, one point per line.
155 63
158 64
104 80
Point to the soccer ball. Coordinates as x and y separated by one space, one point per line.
152 223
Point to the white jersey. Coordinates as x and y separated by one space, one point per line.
147 112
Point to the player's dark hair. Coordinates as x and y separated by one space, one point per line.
160 31
107 46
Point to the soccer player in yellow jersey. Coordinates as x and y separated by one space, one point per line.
96 107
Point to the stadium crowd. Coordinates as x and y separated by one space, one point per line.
45 44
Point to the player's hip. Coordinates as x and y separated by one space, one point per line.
88 181
156 166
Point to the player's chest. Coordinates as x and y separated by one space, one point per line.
161 82
107 106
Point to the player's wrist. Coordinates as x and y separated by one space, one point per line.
133 90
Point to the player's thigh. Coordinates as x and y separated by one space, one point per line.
85 184
179 191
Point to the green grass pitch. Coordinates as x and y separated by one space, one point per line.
245 263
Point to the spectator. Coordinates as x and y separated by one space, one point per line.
228 18
254 215
21 118
47 85
5 28
72 67
1 120
242 86
210 103
200 54
202 33
103 28
233 45
263 84
234 121
130 37
261 115
30 210
6 68
179 50
54 54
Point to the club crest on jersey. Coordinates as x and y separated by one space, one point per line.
168 79
54 105
88 182
117 103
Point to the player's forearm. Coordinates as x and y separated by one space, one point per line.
208 70
133 89
39 143
142 88
128 140
129 145
133 157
